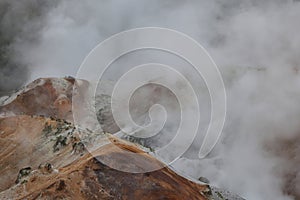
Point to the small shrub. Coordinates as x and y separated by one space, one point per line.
47 129
22 173
61 141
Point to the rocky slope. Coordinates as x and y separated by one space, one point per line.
43 157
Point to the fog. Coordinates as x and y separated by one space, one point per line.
20 21
256 45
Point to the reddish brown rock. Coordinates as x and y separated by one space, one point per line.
28 140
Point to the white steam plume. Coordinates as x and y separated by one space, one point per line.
255 43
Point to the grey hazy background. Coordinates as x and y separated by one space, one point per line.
255 43
19 21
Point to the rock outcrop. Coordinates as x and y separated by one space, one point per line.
47 155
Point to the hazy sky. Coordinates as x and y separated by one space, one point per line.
255 43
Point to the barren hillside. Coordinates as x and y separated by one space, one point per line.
43 156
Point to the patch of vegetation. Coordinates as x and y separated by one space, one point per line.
208 192
47 129
78 147
46 167
140 141
59 129
220 195
23 173
58 132
61 141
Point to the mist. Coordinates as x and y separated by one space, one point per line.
20 21
256 45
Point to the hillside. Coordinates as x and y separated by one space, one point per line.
44 156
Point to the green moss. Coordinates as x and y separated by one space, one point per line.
61 141
23 173
220 195
140 141
47 129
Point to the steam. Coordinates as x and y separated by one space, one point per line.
256 45
20 21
